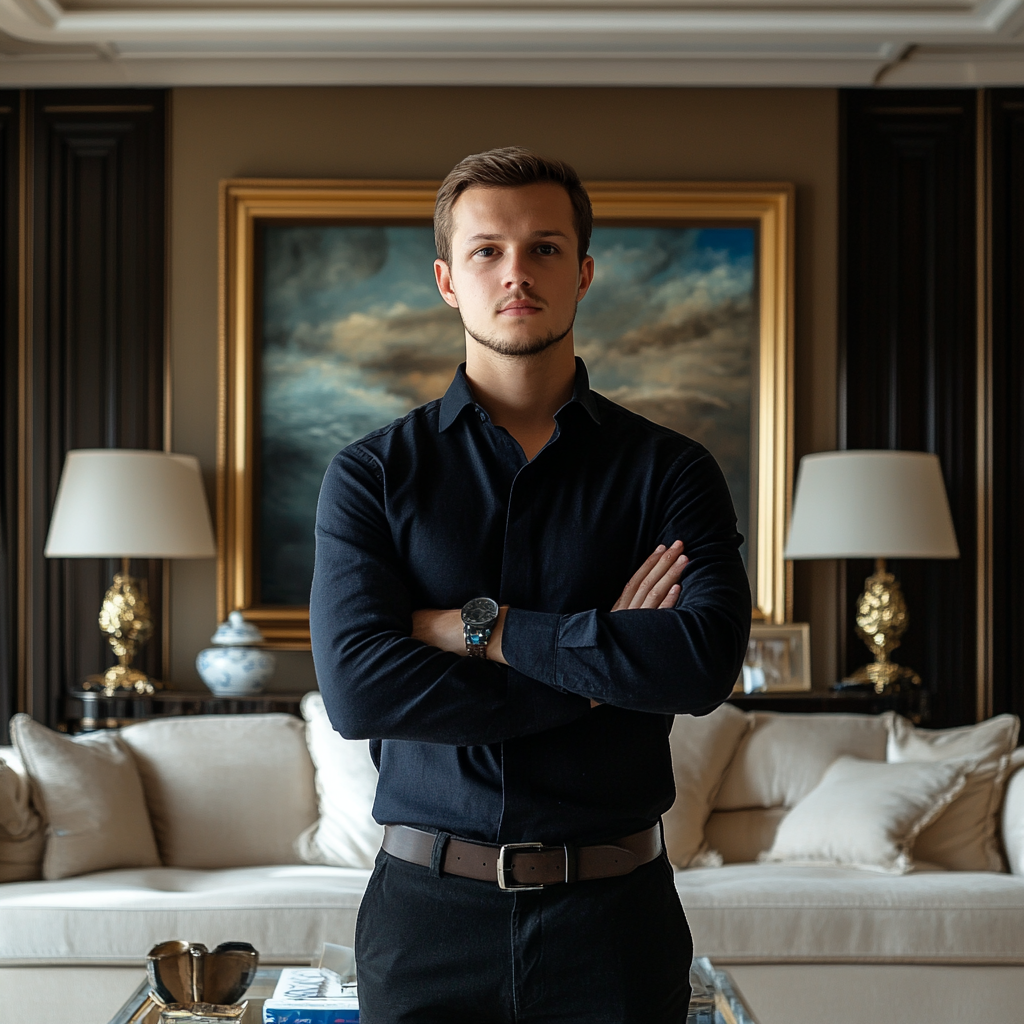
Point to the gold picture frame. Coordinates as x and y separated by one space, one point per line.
246 203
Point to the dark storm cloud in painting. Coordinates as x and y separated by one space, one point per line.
355 335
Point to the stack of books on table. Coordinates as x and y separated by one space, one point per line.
311 995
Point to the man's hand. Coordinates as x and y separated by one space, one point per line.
654 584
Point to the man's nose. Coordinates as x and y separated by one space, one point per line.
517 271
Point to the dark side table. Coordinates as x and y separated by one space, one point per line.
87 710
859 699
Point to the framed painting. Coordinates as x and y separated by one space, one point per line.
331 326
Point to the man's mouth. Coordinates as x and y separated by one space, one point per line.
519 307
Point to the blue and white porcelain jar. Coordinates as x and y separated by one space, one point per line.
234 668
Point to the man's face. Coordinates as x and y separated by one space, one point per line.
515 277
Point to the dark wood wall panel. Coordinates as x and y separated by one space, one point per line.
1006 121
907 350
9 196
97 342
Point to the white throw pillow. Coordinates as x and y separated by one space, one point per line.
701 751
1012 813
90 795
963 837
22 837
346 835
866 814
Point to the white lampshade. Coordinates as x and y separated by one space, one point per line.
871 504
119 503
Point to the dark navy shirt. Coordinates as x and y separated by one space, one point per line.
442 506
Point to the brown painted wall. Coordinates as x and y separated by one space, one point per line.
695 134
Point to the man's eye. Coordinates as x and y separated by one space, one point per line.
487 250
547 250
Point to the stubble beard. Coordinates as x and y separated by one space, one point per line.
529 347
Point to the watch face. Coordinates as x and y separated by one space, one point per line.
481 611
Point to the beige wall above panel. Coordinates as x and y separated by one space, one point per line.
674 134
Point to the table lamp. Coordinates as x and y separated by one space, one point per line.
119 503
873 504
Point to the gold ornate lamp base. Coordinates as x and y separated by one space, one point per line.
126 620
886 676
882 620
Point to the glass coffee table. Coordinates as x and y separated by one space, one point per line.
715 999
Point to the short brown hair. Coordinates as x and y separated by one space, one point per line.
511 167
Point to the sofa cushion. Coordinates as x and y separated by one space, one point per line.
88 791
785 755
22 837
225 790
963 837
867 814
742 912
346 781
739 837
701 751
287 912
776 913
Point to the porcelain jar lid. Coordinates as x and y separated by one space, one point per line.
236 632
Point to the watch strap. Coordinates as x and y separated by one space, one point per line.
476 641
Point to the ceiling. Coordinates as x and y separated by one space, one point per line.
513 42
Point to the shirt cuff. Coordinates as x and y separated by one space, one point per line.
529 643
530 640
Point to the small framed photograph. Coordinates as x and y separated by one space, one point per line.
778 659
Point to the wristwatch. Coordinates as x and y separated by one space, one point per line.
479 617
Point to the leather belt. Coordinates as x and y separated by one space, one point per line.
518 866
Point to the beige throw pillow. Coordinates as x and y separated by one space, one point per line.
785 755
21 829
346 835
225 791
740 837
701 751
90 796
866 814
963 837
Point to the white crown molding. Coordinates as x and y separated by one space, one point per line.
580 42
981 68
160 72
46 21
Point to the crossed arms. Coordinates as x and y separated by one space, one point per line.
653 585
388 670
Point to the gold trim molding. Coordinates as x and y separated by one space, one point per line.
983 427
245 202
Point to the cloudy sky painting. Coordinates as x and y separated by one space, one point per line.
355 335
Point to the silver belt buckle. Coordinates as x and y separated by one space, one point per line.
505 879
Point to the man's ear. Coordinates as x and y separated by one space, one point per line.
443 276
586 276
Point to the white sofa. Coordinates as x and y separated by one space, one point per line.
229 797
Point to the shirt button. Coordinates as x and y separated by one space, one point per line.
483 416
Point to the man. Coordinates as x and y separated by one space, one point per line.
469 618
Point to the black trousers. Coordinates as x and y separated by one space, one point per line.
433 949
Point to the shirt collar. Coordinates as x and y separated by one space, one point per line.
459 395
